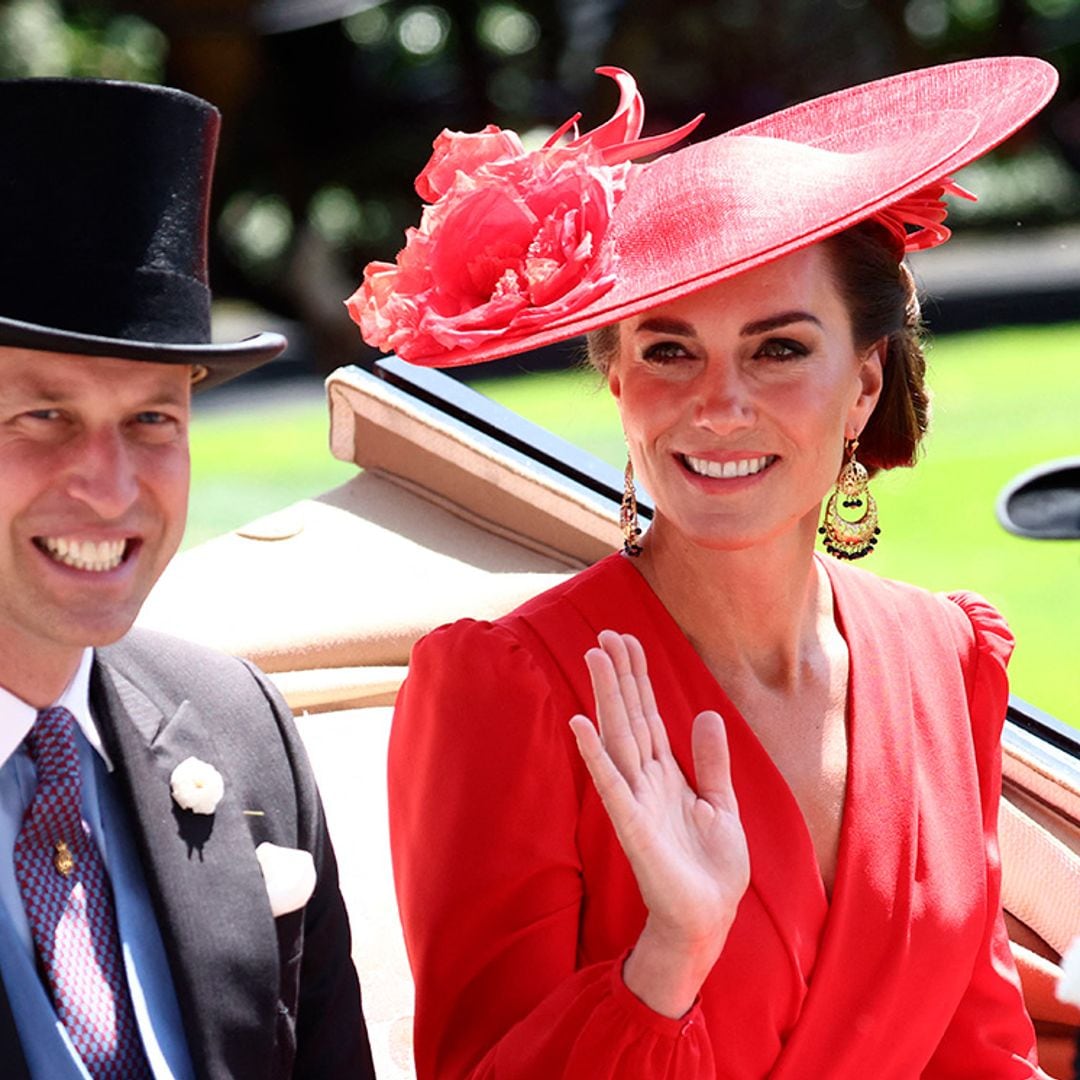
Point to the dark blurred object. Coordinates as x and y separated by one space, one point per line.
281 16
1044 502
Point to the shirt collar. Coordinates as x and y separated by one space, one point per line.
17 718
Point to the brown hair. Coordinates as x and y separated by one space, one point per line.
881 300
601 346
882 303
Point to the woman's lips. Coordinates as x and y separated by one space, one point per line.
729 469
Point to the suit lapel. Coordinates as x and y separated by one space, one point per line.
203 877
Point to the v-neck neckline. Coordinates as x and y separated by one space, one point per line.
732 715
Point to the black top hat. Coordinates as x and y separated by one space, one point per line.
1043 503
104 203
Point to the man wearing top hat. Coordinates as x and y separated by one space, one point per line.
169 903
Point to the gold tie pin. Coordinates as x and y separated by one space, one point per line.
63 860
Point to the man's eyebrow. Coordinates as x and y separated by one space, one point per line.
172 398
30 387
774 322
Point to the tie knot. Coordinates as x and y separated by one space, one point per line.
51 745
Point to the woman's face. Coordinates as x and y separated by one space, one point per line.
736 400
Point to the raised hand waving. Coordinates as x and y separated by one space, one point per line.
687 848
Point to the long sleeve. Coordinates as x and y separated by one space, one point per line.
485 794
990 1033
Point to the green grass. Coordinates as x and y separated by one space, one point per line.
247 461
1004 400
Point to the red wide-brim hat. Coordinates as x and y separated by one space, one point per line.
517 250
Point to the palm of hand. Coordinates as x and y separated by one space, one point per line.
687 849
688 855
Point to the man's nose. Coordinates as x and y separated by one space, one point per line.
102 472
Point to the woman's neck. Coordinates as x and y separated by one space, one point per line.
758 612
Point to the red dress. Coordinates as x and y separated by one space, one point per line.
519 906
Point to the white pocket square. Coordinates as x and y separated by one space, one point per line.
289 874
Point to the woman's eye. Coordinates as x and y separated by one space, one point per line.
781 349
661 352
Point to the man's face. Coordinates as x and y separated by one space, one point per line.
93 496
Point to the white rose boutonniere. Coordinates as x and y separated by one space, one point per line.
1068 987
196 786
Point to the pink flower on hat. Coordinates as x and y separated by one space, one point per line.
511 240
465 152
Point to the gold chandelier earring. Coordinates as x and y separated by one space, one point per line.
628 519
850 538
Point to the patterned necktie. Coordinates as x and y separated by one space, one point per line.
69 907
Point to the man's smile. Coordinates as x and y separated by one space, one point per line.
97 556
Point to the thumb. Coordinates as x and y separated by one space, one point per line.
712 762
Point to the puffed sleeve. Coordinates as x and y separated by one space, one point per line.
990 1034
484 798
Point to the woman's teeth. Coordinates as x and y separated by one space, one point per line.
98 556
727 470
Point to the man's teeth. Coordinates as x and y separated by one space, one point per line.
727 470
99 556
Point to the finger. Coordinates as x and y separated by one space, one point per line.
610 785
657 731
616 732
615 647
712 761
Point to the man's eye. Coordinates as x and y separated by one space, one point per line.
43 414
153 425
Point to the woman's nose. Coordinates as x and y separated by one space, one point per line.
724 400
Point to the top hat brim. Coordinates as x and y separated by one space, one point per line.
222 360
714 209
1043 503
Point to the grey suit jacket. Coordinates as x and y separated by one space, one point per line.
261 997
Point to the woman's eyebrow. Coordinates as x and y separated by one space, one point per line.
773 322
666 324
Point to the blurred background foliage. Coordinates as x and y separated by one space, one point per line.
330 106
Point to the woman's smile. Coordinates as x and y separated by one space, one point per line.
727 468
